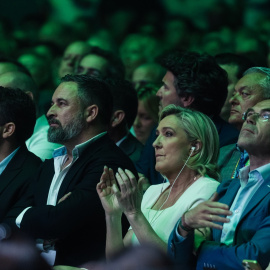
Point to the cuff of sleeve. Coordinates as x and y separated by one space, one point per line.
20 217
179 237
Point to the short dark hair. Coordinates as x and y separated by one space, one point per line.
93 90
198 75
115 67
124 98
17 107
242 62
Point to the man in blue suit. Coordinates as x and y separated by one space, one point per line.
240 220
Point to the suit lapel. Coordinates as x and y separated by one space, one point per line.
128 146
227 199
44 182
12 169
262 191
88 154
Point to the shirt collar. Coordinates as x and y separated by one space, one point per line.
78 149
262 172
120 141
6 160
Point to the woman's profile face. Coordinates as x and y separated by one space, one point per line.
143 123
172 147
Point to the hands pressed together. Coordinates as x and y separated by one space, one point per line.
126 199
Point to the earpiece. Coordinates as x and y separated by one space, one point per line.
192 148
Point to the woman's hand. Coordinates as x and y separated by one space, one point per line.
129 196
106 193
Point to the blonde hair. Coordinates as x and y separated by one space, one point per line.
198 127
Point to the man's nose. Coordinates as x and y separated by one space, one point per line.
234 100
51 111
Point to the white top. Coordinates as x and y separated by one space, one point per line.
164 221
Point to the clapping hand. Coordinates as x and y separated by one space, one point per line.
105 190
130 195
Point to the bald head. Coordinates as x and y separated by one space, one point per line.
17 79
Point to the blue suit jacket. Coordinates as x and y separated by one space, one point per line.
251 239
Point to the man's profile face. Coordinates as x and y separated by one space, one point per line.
255 134
92 64
247 93
232 71
167 92
65 117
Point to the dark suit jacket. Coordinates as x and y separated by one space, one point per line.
15 179
146 164
132 147
228 158
251 239
78 222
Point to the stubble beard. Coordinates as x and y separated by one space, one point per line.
62 134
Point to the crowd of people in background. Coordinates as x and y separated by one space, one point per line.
135 135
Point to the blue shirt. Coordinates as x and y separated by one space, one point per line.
249 184
4 162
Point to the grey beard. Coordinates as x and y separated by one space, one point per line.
71 130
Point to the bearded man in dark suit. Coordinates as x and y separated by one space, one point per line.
63 204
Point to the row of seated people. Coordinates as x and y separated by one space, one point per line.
63 204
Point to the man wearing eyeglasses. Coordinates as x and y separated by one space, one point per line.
240 220
252 88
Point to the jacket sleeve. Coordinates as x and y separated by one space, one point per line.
83 208
181 250
231 257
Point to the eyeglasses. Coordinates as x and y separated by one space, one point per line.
263 116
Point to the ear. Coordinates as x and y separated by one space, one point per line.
118 117
91 113
8 130
30 94
187 101
198 146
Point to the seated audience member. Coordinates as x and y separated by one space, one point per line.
235 65
240 220
71 54
253 87
99 62
147 115
125 103
194 81
17 164
186 156
147 73
38 143
78 118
